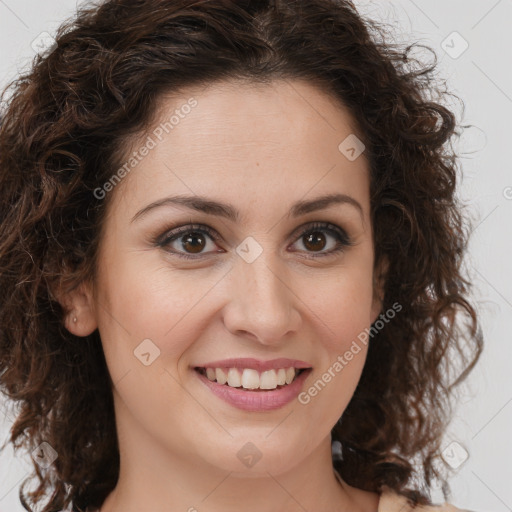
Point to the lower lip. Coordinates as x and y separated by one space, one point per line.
256 400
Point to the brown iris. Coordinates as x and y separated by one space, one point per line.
315 241
189 243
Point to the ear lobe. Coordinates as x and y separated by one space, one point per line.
379 286
78 304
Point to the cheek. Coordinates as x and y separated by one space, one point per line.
145 326
341 306
343 318
145 299
341 312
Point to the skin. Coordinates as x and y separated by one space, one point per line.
259 148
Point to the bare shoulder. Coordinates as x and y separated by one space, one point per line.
390 501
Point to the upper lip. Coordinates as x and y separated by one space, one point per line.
257 364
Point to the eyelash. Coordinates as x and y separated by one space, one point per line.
343 240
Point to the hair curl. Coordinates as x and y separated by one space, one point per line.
65 130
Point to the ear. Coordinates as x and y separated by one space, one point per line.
379 285
78 304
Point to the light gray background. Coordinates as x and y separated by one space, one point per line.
482 77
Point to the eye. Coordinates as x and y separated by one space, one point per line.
191 241
314 239
191 238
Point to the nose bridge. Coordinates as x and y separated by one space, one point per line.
262 303
264 282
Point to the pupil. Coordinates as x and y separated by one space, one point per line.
190 241
315 238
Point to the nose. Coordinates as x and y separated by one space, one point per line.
262 303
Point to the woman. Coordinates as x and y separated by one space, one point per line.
230 263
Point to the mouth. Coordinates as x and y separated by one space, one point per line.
255 390
250 379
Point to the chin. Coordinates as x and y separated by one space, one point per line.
257 457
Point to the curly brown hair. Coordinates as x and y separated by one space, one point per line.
65 130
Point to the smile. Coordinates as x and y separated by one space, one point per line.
254 386
248 378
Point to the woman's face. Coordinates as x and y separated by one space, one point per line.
273 278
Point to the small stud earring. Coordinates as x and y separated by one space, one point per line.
74 319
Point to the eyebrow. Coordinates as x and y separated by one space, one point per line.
212 207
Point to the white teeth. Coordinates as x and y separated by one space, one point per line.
234 378
249 378
220 376
268 379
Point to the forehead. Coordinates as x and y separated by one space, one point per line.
250 140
